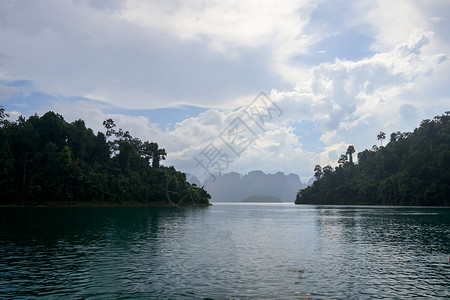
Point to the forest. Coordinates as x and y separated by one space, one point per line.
412 169
46 160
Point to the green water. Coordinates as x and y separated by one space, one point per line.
227 251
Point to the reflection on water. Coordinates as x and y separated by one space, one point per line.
391 252
244 251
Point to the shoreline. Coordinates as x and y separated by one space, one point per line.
103 204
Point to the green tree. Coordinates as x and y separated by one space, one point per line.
3 115
350 151
6 169
381 136
412 169
318 171
157 154
46 159
109 125
327 170
342 160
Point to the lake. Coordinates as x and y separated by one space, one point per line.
226 251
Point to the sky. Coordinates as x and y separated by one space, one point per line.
231 85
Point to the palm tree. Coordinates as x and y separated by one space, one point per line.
381 136
350 151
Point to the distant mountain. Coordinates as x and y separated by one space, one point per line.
192 179
233 187
261 199
311 181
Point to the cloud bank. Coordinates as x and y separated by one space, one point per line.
340 72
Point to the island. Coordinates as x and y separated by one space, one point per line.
48 161
412 169
261 198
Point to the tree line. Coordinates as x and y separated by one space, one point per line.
48 160
412 169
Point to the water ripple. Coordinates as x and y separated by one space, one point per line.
225 252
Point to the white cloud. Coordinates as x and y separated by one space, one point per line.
147 54
143 54
331 153
437 19
393 21
223 25
343 90
220 55
7 91
118 62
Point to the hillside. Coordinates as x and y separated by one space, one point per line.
47 160
412 169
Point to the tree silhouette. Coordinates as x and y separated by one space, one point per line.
3 115
342 160
395 136
350 151
381 136
327 170
318 171
109 125
157 154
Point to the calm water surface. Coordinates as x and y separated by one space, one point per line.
227 251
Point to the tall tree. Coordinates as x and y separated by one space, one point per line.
109 125
3 115
157 154
381 136
327 170
318 171
350 151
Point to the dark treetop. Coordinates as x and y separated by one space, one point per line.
47 160
412 169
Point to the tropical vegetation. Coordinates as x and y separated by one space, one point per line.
48 160
412 169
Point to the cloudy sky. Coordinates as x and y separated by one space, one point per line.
184 74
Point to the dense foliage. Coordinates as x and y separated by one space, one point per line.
46 160
412 169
